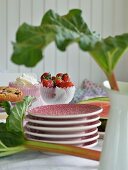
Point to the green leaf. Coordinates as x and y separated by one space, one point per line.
7 106
108 51
27 54
12 132
67 28
9 138
14 122
63 30
31 41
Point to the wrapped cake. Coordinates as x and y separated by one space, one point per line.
28 84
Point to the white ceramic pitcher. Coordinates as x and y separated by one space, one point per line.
114 154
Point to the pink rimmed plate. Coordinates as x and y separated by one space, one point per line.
68 141
63 129
64 111
90 144
59 136
64 122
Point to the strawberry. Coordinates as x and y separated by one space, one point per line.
58 81
59 75
65 77
48 83
45 76
66 84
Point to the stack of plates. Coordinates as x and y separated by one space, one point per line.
74 124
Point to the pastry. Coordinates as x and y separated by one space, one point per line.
10 94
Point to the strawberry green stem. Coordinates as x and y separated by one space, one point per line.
63 149
113 82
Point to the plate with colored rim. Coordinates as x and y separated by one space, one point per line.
62 126
90 144
63 129
65 111
59 136
59 132
64 122
70 141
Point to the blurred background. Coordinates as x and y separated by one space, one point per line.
106 17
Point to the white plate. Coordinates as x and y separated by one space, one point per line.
66 122
59 136
65 129
64 111
70 142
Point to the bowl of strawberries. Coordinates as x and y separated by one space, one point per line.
58 89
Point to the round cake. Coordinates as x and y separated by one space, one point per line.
10 94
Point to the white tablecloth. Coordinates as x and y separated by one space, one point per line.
33 160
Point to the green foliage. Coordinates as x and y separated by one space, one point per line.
11 132
108 51
31 41
7 106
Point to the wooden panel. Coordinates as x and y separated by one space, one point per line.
3 35
50 52
85 59
6 77
25 16
73 66
108 9
96 25
61 57
12 24
119 19
119 27
37 14
125 64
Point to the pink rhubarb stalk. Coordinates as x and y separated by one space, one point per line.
63 149
113 82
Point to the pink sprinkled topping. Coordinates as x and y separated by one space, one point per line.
65 110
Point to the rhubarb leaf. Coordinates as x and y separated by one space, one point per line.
7 106
108 51
12 131
63 30
31 41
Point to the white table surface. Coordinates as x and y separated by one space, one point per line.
34 160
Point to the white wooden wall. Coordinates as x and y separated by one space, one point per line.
107 17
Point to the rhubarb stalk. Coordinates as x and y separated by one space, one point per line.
113 82
63 149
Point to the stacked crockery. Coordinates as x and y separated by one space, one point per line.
74 124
